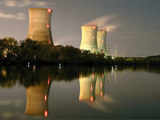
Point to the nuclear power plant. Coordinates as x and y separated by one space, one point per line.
40 25
89 38
101 41
93 40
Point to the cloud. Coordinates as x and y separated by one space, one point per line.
26 3
17 16
111 28
104 23
101 21
10 3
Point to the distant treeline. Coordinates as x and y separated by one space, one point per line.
33 52
37 53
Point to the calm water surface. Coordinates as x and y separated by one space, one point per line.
66 94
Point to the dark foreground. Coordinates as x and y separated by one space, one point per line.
82 93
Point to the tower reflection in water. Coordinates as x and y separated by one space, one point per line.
87 88
91 86
37 99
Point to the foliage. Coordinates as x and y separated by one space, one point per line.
37 53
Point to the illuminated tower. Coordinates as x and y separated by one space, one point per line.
87 88
40 25
101 41
89 38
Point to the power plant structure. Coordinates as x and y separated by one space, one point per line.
40 25
93 40
101 41
89 38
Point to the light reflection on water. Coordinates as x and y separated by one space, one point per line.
79 93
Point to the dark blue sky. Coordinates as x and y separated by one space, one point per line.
136 22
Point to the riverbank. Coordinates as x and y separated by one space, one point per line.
29 53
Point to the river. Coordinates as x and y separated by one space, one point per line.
79 93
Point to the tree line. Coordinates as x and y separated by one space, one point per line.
29 51
37 53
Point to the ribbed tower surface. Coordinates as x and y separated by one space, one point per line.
40 25
101 41
89 38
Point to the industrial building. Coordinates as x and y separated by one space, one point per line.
89 38
40 25
101 41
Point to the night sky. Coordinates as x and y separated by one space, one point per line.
135 23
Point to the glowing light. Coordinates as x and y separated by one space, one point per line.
101 93
48 26
92 99
4 73
49 10
101 84
45 97
49 42
46 113
113 57
91 89
49 80
94 27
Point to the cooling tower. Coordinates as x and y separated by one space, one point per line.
37 103
87 88
40 25
101 41
89 38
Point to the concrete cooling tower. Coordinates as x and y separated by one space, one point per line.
89 38
40 25
101 41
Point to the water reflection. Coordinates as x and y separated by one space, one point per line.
93 84
87 87
37 99
92 91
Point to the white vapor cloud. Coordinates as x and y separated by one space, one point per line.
104 23
17 16
101 21
110 28
26 3
10 3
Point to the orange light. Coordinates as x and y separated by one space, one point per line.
45 98
49 80
49 10
101 93
49 42
91 99
101 84
46 113
48 26
91 89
